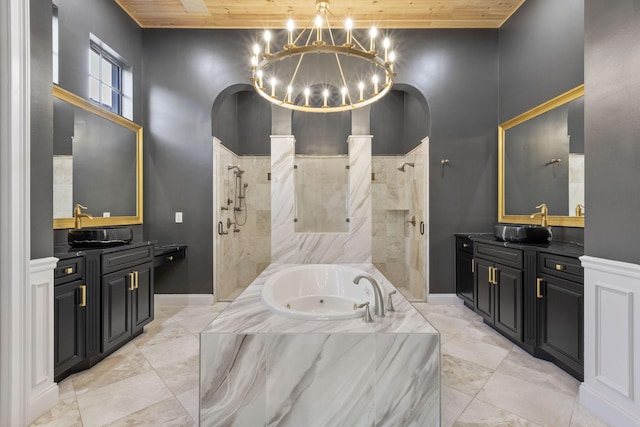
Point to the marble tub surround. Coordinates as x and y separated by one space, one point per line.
289 247
259 368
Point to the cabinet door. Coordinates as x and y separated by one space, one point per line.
484 302
464 276
142 310
508 291
562 327
68 327
116 308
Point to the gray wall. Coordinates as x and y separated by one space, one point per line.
541 57
41 131
107 21
612 147
185 71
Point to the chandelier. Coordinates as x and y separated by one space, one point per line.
322 75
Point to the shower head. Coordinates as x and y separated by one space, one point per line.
402 166
238 170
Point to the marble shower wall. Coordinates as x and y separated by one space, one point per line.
289 247
241 256
62 186
398 246
322 189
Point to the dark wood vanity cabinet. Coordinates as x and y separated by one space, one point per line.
464 270
69 295
560 294
127 295
499 288
533 294
103 298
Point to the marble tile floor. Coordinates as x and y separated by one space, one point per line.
153 380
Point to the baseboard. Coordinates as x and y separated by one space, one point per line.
42 402
444 299
605 409
183 299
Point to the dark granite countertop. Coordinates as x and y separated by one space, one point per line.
66 251
571 249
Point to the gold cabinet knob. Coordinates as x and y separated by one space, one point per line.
68 270
559 267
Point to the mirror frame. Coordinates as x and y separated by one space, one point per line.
71 98
560 220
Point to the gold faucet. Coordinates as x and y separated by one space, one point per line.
579 210
543 214
78 215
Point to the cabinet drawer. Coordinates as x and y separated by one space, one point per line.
68 270
114 261
499 254
561 266
464 244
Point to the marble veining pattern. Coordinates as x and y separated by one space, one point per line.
289 247
462 404
319 373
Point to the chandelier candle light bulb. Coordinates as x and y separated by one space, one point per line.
273 87
348 25
319 27
267 40
374 79
290 28
325 95
260 79
307 92
387 43
344 95
289 92
373 32
361 87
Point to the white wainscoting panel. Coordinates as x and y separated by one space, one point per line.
42 390
611 387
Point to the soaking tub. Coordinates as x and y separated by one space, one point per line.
317 292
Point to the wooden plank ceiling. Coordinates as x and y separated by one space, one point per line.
274 13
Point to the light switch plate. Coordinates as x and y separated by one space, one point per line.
178 217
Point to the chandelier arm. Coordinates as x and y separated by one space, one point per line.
358 43
295 73
302 32
344 81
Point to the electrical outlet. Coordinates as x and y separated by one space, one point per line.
106 214
178 217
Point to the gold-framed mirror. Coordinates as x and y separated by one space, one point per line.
541 160
97 163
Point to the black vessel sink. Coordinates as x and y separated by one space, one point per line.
100 236
522 233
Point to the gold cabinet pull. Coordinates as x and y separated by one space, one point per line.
135 273
465 245
538 284
68 270
83 295
490 275
473 265
132 284
170 257
495 275
559 267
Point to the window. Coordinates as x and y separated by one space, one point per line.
110 79
105 79
54 43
